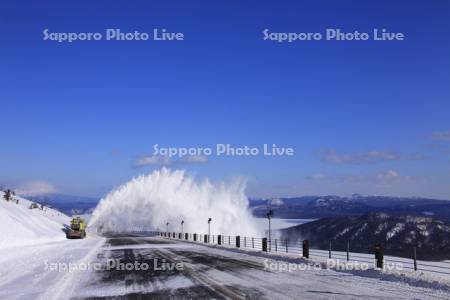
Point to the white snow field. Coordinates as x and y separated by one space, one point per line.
29 272
24 226
30 240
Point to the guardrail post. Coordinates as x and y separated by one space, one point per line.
219 239
276 246
379 255
348 250
186 236
179 236
253 243
195 237
415 258
305 252
286 246
329 251
264 244
229 240
238 241
245 242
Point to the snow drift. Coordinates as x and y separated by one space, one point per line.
148 202
24 226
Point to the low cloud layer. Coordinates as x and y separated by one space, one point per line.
382 178
159 160
151 161
317 176
441 136
333 157
358 158
34 188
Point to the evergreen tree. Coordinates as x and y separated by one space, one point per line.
7 195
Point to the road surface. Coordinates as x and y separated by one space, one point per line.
209 272
181 270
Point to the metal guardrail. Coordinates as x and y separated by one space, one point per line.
278 246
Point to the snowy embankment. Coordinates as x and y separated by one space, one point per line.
24 226
29 272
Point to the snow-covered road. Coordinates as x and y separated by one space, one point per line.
204 272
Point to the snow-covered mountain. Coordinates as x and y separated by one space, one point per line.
313 207
398 234
24 225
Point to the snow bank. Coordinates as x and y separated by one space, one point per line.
23 226
149 202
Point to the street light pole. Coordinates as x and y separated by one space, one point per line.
209 228
182 222
269 216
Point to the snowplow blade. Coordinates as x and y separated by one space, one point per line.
73 234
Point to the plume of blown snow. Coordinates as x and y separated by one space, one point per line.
148 202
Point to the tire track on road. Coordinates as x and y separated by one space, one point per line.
214 286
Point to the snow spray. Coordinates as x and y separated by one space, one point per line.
149 202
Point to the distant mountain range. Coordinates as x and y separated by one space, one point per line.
398 235
314 207
70 205
307 207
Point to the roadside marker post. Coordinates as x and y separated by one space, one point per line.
305 252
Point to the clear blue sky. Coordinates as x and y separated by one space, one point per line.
363 117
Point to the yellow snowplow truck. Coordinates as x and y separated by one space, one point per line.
77 229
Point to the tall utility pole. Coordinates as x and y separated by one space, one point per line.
269 216
182 222
167 227
209 228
